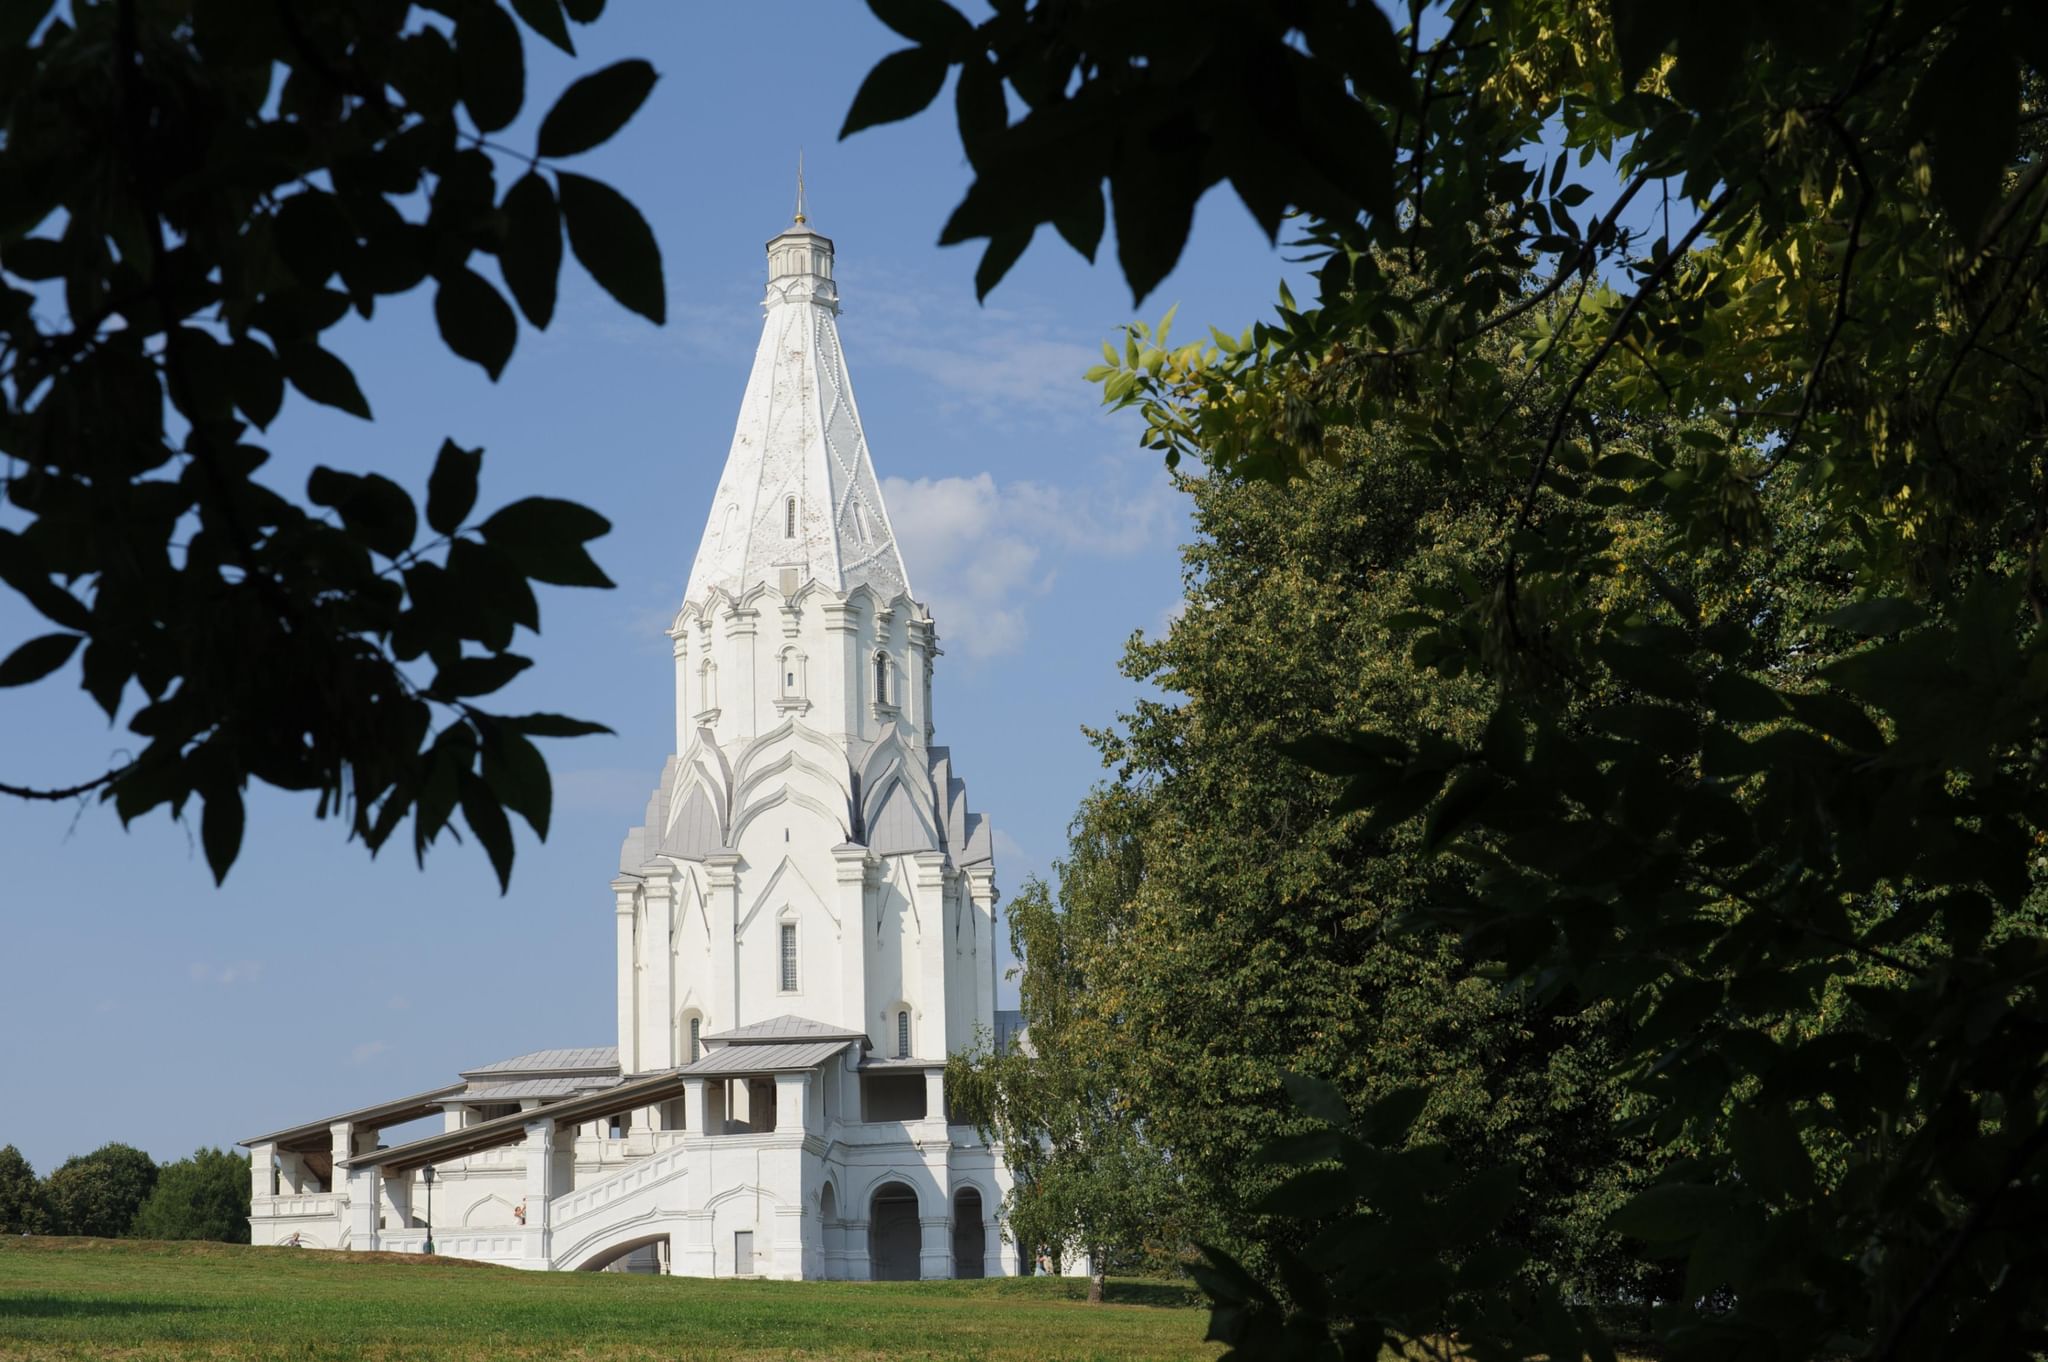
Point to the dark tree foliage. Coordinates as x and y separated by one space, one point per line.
21 1195
192 194
205 1196
98 1193
1846 298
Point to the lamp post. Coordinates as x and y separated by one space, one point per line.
428 1174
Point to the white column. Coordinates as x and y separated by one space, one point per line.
625 891
930 887
721 907
935 1094
792 1110
362 1208
657 1025
916 699
261 1157
693 1107
395 1200
540 1189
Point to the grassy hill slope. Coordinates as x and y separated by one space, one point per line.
139 1301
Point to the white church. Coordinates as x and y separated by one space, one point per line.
805 929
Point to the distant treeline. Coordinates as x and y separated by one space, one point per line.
117 1190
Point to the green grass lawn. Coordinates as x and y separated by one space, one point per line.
103 1298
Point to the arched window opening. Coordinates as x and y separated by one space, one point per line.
789 957
707 686
696 1041
789 519
893 1234
860 524
881 678
903 1034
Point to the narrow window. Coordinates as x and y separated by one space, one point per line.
860 523
789 519
789 957
903 1035
696 1038
881 679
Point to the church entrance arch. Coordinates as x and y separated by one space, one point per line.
970 1239
893 1234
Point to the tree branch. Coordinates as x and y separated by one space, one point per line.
70 791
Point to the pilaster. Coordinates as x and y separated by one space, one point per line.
935 1247
842 623
981 888
625 896
745 704
262 1158
657 1019
721 906
540 1190
853 874
930 887
362 1208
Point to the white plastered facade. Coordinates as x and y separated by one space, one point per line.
803 927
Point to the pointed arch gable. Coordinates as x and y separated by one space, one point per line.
787 878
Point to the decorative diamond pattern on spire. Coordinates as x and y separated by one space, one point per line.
799 488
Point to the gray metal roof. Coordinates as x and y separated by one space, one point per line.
907 1065
538 1087
593 1060
784 1028
764 1059
395 1112
504 1130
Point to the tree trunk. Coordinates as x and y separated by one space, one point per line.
1095 1276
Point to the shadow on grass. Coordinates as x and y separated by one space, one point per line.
89 1307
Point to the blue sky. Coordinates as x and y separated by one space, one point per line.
140 1003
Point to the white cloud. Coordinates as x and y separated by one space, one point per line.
367 1051
980 551
227 975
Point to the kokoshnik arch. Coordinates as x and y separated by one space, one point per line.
805 927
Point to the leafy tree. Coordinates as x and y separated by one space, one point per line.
99 1193
205 1196
21 1198
1845 296
192 194
1087 1177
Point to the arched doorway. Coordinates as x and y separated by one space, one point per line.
893 1234
969 1237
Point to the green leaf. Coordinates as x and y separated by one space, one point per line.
553 726
23 569
517 774
584 11
320 375
477 675
493 65
901 84
1769 1152
929 23
451 487
545 18
1668 1214
545 538
1971 98
1457 807
475 320
1318 1098
1003 252
1876 617
531 256
594 108
486 818
376 509
37 658
258 381
220 829
613 242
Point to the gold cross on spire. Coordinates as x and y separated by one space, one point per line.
800 185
